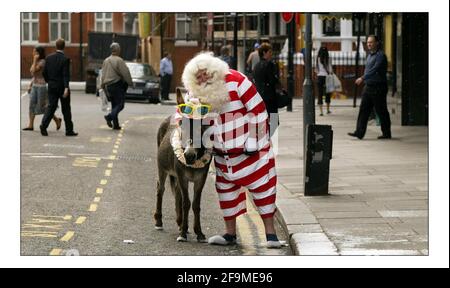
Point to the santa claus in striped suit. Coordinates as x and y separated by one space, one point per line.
244 157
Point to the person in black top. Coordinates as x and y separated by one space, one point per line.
266 77
56 73
374 92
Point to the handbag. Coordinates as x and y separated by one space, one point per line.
283 98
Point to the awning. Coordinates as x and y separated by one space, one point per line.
337 16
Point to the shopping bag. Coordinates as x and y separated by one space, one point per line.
329 83
337 83
104 100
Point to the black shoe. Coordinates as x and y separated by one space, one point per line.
71 133
117 127
385 137
108 122
354 135
43 131
27 129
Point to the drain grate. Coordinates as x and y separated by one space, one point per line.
135 157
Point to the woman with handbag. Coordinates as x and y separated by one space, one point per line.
38 90
323 69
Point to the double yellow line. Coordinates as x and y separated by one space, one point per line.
98 192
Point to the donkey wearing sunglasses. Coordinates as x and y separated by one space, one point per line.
182 157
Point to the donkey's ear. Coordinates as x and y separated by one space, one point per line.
180 99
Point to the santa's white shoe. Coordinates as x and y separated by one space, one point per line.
276 244
220 240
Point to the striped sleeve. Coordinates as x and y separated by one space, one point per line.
257 115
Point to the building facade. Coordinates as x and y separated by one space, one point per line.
44 28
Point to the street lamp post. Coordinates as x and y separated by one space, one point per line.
308 97
235 41
291 52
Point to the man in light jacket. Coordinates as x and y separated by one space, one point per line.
116 78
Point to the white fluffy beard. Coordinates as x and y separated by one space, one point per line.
214 93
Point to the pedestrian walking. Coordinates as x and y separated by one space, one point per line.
266 79
244 154
323 70
116 78
253 58
166 72
375 91
38 90
57 75
225 55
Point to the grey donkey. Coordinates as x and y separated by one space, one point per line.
183 165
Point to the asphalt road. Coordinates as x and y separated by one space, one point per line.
95 194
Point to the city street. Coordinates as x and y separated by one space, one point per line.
95 194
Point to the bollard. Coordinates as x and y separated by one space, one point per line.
319 146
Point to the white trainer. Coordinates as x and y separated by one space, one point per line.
219 240
276 244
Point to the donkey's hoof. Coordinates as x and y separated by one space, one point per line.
159 227
202 239
181 239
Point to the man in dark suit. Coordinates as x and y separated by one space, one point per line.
56 73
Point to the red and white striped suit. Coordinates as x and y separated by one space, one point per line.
243 126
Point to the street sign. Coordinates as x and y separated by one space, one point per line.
287 16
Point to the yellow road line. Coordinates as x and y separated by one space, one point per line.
67 237
110 165
93 208
114 151
116 146
39 226
80 220
55 252
66 217
103 182
97 199
40 234
112 157
99 191
107 172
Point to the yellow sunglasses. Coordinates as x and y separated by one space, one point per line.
194 109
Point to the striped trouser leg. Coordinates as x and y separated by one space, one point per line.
264 190
231 197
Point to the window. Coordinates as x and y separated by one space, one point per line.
131 23
60 26
103 22
135 26
30 27
331 27
183 27
358 24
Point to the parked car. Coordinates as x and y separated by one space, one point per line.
145 80
146 83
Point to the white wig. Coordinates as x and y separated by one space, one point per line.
214 91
